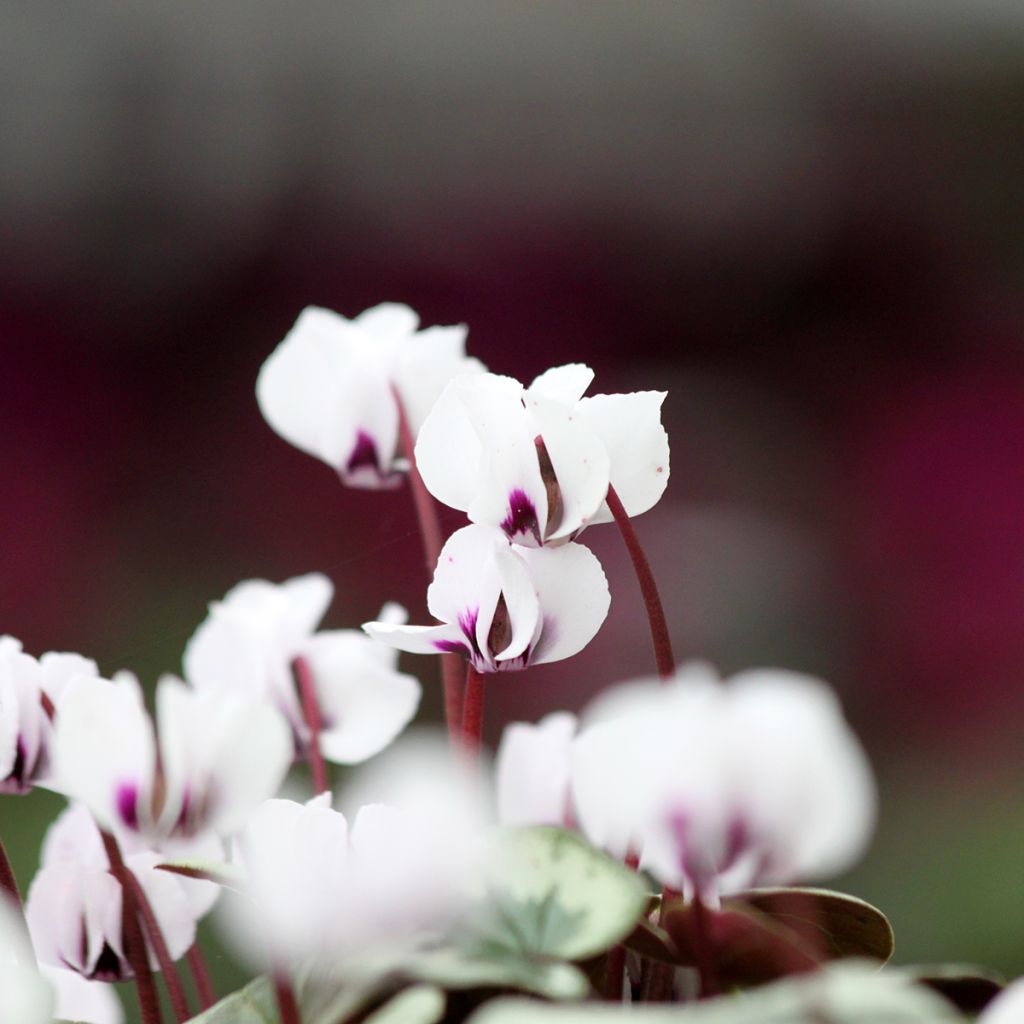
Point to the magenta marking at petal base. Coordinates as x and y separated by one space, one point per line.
522 516
452 647
364 454
127 801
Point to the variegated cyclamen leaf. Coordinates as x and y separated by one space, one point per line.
553 894
466 968
419 1004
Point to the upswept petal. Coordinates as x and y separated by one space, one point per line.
449 454
394 614
507 633
419 639
564 384
105 751
24 727
574 598
60 668
580 463
78 999
388 320
532 771
363 703
630 428
166 895
465 560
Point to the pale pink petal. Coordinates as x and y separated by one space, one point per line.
77 999
532 771
171 906
564 384
637 445
574 598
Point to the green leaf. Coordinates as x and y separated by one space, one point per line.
466 969
553 894
420 1004
966 986
844 993
254 1004
833 924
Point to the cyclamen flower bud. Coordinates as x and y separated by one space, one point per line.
723 786
330 387
504 607
538 461
248 645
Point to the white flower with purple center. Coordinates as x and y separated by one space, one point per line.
216 757
330 387
722 786
503 606
538 461
249 644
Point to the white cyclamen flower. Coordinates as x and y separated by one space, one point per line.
329 388
26 733
81 1000
217 756
532 771
1007 1007
723 786
537 462
503 606
248 645
74 904
25 996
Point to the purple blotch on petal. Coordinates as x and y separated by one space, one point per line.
364 454
452 647
522 516
127 803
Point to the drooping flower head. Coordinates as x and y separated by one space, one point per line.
216 756
329 388
27 687
537 462
248 645
721 786
503 606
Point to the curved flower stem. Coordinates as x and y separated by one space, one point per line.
200 977
473 710
614 974
131 936
702 944
287 1006
663 655
311 713
430 530
8 883
151 927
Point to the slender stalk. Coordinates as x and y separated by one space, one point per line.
311 713
614 972
151 927
663 655
131 937
200 977
8 883
702 947
287 1007
473 710
430 530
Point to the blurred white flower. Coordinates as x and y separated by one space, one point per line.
537 462
532 771
341 897
722 786
26 733
503 606
81 1000
74 903
217 757
329 388
1007 1007
249 642
25 996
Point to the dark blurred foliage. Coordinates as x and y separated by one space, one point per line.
803 220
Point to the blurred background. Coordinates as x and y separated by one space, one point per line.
801 219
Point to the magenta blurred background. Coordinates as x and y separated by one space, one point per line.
802 220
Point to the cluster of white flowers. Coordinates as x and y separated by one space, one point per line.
713 787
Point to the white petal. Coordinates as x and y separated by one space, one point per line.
166 896
465 572
419 639
532 771
574 598
1007 1007
364 704
449 454
521 604
60 668
104 750
91 1002
580 463
630 428
564 384
25 997
73 838
388 320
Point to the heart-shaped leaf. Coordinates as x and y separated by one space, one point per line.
553 894
419 1004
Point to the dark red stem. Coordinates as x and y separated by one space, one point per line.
473 710
663 656
311 713
287 1007
151 927
430 530
614 973
8 883
131 937
200 976
703 949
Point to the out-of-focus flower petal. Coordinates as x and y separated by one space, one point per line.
90 1002
532 771
565 384
1007 1007
25 996
419 639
